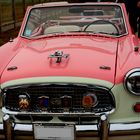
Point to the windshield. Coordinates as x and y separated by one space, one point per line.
96 19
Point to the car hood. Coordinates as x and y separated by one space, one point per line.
88 57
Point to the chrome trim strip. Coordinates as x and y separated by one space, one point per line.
125 127
86 128
113 127
1 126
23 127
71 4
6 111
132 71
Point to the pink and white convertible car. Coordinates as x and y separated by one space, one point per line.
73 73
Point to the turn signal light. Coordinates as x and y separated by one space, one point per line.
137 107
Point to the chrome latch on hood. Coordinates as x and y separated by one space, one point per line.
58 55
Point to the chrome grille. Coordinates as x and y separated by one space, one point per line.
56 91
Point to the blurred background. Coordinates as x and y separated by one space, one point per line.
12 13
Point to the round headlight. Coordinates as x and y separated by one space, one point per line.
132 81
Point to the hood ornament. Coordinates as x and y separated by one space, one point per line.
58 55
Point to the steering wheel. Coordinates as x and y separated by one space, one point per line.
100 21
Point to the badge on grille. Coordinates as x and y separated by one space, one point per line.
66 102
24 102
89 100
43 101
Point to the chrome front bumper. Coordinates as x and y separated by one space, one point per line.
103 130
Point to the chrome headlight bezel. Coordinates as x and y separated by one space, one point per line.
130 82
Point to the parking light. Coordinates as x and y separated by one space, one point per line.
137 107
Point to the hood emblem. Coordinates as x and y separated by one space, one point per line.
58 55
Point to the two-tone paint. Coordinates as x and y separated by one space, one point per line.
92 60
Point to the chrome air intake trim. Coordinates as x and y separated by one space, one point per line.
52 95
6 111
